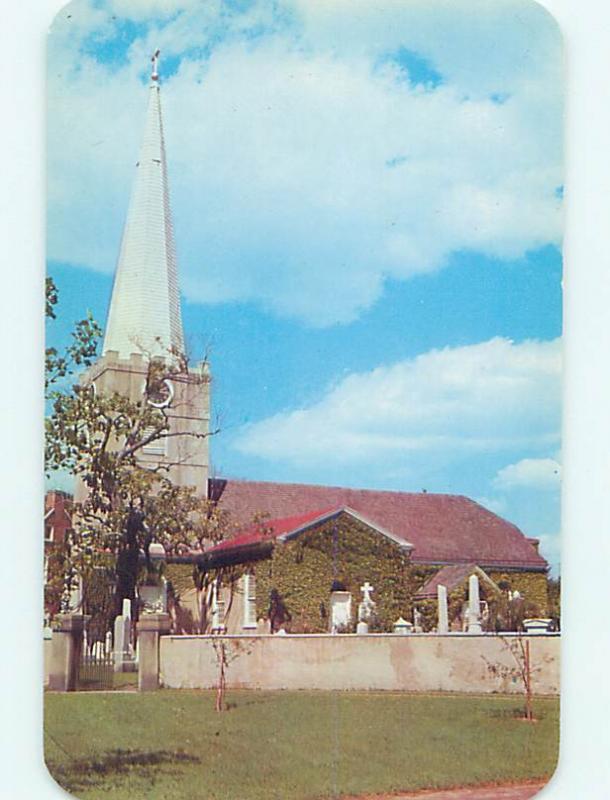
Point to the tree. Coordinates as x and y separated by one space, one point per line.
81 353
99 438
520 669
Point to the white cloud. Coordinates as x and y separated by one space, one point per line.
480 46
530 473
304 175
488 397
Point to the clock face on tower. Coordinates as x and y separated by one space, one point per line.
161 394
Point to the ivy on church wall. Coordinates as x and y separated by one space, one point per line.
303 571
342 551
532 586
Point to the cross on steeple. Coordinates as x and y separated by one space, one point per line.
155 65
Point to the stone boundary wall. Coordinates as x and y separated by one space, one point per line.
418 663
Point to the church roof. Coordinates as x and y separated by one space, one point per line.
451 577
442 528
144 314
267 530
289 527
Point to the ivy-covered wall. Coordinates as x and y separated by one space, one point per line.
344 551
347 552
532 586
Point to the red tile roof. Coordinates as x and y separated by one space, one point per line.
268 529
444 529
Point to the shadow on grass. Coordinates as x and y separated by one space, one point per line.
87 773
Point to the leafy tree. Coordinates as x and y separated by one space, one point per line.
82 351
98 438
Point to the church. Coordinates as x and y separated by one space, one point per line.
299 553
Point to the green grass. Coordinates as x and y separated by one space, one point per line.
172 745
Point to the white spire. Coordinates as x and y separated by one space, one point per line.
144 313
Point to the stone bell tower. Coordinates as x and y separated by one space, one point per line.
144 319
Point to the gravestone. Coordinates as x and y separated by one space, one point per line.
122 643
417 626
402 627
474 606
340 611
537 625
443 615
366 609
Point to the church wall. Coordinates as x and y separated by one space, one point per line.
532 586
303 571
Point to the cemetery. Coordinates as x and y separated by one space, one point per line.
406 659
206 634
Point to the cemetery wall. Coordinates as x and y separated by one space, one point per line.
419 663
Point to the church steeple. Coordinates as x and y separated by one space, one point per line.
144 315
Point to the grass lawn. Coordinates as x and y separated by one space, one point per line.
172 745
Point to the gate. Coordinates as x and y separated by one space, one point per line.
96 665
96 670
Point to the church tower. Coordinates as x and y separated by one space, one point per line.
144 319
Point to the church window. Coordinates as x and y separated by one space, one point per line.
249 588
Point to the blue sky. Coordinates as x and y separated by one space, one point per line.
368 220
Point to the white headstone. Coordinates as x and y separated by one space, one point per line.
474 606
443 615
537 625
126 612
366 608
366 590
362 627
417 626
402 627
122 648
340 611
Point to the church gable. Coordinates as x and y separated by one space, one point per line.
339 552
